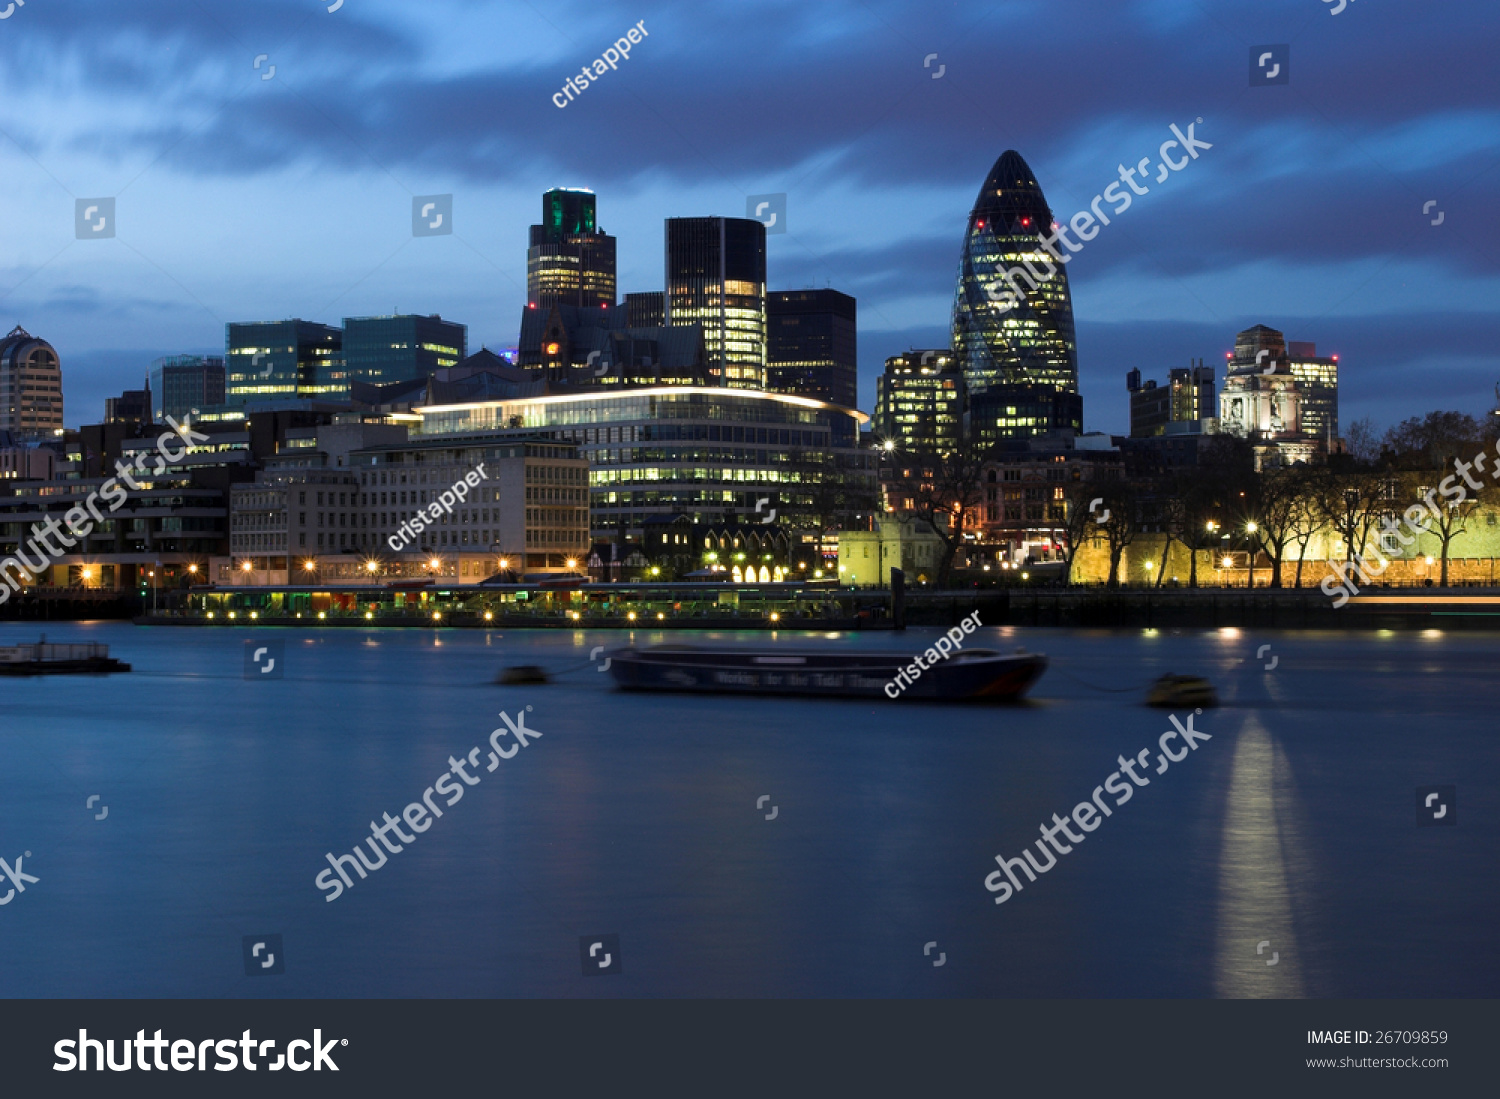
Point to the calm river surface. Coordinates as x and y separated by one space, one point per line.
1295 825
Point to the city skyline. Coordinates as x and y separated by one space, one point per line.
233 204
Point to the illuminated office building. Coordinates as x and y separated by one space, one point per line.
31 400
403 348
716 278
183 384
811 345
1188 397
570 260
1021 411
1319 381
646 309
284 360
1012 312
919 401
710 455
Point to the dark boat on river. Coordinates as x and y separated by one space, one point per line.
972 675
45 659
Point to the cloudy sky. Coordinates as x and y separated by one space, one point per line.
245 198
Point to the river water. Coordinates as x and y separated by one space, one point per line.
1290 835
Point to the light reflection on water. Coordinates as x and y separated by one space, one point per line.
636 815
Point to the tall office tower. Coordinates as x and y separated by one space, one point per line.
716 277
31 401
1319 381
919 401
811 345
1012 311
647 309
183 384
570 261
283 361
401 348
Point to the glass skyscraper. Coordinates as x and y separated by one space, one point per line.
811 347
570 261
401 348
716 277
283 361
1013 313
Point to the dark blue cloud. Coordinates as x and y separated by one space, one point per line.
1306 214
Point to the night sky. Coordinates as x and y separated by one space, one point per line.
242 198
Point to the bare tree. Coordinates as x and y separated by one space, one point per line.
1118 521
1280 497
1351 500
1079 518
1307 519
942 489
1361 440
1428 450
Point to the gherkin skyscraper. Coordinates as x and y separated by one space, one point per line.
1013 313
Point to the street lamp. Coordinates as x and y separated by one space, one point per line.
1251 528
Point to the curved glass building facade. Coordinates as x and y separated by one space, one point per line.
708 453
1013 312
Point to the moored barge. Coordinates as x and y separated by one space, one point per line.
973 675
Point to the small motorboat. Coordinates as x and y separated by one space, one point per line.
973 675
1182 692
45 659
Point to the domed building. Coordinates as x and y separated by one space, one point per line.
1262 400
31 401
